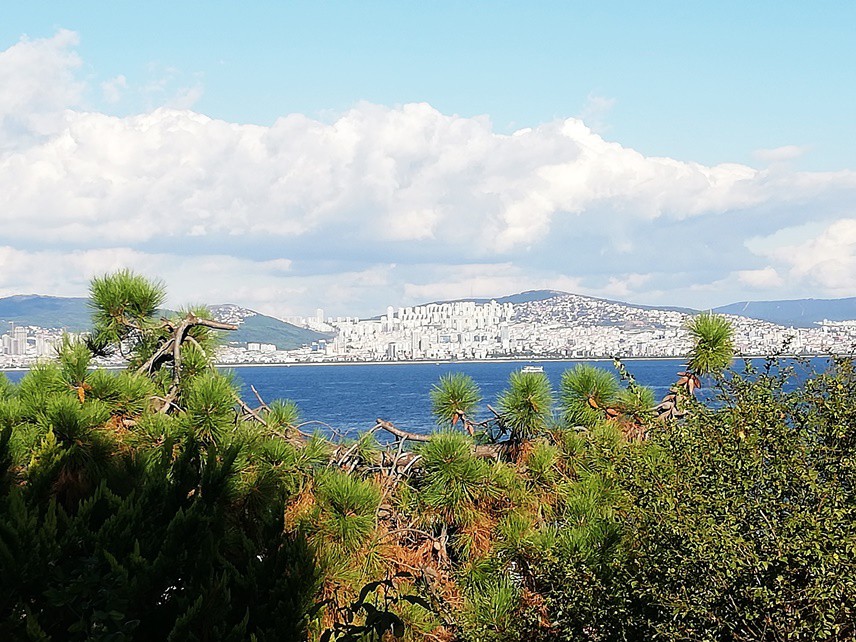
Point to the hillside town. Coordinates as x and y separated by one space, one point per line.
20 346
565 326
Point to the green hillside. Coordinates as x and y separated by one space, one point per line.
71 313
265 329
74 315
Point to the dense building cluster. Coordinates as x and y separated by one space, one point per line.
459 330
21 345
564 326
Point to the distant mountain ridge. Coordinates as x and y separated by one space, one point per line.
69 313
521 297
73 314
530 296
799 313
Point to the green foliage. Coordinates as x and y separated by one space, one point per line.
141 505
738 523
526 405
153 429
491 609
43 381
72 421
24 437
209 407
74 360
454 398
586 391
119 567
576 559
203 337
347 510
376 604
713 344
635 401
136 506
128 394
121 302
542 464
75 454
453 477
282 415
752 506
195 361
7 388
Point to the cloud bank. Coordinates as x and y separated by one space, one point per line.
386 204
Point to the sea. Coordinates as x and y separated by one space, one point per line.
347 399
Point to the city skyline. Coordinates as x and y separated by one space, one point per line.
286 159
563 326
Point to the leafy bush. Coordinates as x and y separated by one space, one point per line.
746 525
736 523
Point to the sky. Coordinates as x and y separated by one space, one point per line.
350 156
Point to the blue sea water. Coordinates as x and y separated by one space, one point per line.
349 398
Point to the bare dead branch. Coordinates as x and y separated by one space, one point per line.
402 434
252 413
158 356
179 334
486 451
259 397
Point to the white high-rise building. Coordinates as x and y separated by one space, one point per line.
43 346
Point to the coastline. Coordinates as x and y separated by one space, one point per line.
449 362
439 362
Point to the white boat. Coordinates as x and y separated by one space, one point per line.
532 369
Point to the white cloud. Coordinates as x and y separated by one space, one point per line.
825 262
626 285
405 173
595 110
168 86
114 88
762 279
780 154
37 84
186 97
375 205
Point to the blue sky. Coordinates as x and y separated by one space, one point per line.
716 160
709 82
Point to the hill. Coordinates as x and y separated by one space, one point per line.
260 328
534 296
69 313
521 297
799 313
73 314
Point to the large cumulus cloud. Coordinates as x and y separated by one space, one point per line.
403 198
